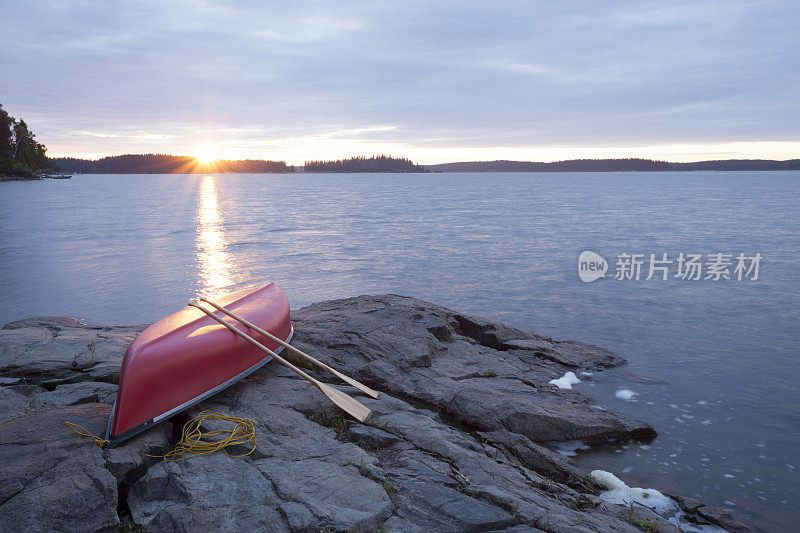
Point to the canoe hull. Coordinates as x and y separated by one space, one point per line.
187 357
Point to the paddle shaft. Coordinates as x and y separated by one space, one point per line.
343 377
352 407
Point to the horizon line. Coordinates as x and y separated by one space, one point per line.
220 159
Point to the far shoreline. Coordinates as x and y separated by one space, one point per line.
15 178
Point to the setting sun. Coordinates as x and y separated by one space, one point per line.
206 154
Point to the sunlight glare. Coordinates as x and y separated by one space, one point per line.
206 154
216 271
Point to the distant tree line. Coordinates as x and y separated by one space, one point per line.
379 163
615 165
20 153
164 164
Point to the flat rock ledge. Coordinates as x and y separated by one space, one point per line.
457 442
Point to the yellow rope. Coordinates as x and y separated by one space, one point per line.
192 443
80 430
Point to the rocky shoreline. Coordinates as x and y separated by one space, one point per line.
34 176
459 441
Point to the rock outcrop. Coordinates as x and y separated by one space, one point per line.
457 442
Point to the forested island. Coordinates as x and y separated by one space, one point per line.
165 164
615 165
380 163
20 154
173 164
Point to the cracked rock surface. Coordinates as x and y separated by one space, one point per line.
457 441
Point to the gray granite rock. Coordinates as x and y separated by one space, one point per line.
457 441
439 508
129 462
297 516
369 437
722 518
205 493
52 480
81 392
462 366
13 403
61 350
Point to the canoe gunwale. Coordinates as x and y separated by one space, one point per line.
114 440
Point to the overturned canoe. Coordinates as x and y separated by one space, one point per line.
188 356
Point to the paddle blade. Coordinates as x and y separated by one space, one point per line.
347 404
360 386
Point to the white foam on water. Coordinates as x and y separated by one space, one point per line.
619 492
570 448
729 476
566 381
626 394
587 374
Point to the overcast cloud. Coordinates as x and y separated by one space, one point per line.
436 81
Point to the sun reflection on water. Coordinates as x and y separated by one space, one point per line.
216 270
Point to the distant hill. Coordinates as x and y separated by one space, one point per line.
614 165
380 163
163 164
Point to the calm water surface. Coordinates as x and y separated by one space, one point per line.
714 364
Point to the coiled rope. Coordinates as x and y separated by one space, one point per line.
194 441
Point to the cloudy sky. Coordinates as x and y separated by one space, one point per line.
434 81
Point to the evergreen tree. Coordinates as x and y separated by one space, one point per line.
6 140
26 150
20 153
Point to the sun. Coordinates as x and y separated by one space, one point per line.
206 154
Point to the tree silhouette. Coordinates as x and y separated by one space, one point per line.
379 163
20 153
165 164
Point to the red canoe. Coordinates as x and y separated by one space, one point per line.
188 356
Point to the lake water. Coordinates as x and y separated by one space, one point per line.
714 364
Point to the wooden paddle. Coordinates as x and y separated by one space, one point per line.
347 404
347 379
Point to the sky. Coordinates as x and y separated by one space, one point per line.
433 81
